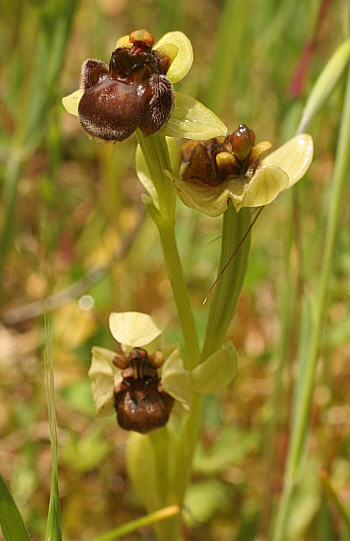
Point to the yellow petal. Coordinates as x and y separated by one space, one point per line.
135 329
124 42
183 61
258 149
71 102
294 157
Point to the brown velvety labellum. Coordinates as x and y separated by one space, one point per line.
92 72
141 407
111 110
128 94
158 110
141 403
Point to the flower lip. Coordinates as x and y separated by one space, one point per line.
214 161
209 183
140 400
132 92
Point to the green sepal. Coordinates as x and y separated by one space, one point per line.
71 102
192 120
176 42
175 378
135 329
217 371
104 376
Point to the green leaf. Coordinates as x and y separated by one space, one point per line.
192 120
305 503
233 447
11 522
84 453
205 499
217 371
325 84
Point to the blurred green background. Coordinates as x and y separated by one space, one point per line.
73 231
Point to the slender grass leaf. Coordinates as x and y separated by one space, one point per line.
11 522
53 527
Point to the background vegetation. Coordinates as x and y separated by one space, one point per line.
73 232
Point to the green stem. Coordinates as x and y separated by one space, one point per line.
155 151
222 309
223 304
13 173
303 396
180 292
228 289
156 154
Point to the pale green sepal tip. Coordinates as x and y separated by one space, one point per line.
183 60
176 379
216 372
264 187
103 376
192 120
135 329
294 157
325 84
71 102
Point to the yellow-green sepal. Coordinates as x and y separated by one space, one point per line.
104 376
192 120
71 102
179 49
175 378
135 329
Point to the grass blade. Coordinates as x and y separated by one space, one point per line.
11 522
53 527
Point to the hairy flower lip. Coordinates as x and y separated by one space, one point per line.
189 118
176 43
278 171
